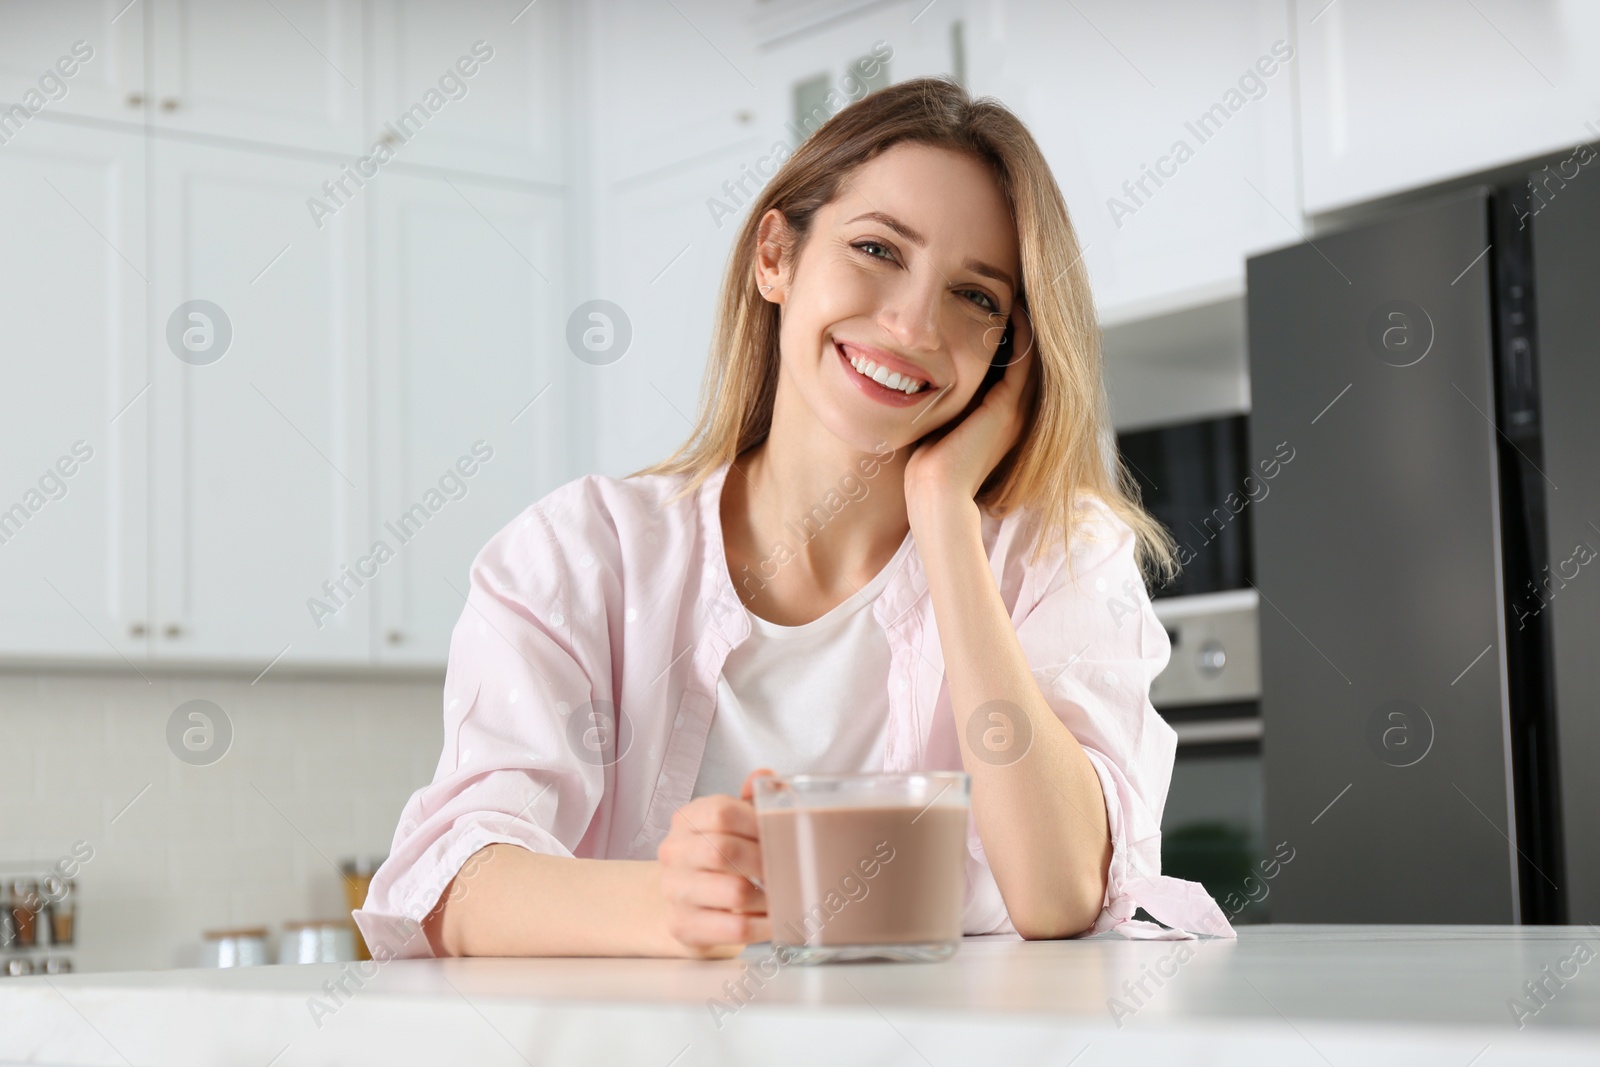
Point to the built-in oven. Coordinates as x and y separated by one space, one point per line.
1197 480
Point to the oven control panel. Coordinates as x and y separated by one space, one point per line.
1216 649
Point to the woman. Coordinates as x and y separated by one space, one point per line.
892 543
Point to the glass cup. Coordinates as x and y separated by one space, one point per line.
864 866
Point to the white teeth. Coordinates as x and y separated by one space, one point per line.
885 377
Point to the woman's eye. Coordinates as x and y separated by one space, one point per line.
984 301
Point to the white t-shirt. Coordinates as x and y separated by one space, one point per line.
810 699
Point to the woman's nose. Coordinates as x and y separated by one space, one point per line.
912 318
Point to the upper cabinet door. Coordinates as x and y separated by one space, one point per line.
471 87
471 381
258 339
75 406
661 258
636 129
1397 96
1173 149
70 57
287 72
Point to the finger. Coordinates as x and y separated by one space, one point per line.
1020 327
710 928
716 890
1022 335
748 790
719 852
1020 373
717 813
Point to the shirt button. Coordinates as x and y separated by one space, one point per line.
1100 585
558 619
900 684
1111 677
631 614
588 560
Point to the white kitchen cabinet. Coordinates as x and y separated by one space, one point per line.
799 43
1398 96
471 87
42 71
670 85
74 408
260 483
748 60
471 381
1110 101
660 161
231 495
661 259
287 72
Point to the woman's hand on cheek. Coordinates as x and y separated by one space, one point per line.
950 467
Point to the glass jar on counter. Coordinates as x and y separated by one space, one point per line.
17 967
357 874
245 947
61 908
23 907
318 941
8 925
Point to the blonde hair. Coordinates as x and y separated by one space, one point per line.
1066 444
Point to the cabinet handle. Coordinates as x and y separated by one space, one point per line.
173 629
169 104
136 629
136 100
395 637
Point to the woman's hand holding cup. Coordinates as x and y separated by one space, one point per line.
711 874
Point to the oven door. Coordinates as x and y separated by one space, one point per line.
1213 828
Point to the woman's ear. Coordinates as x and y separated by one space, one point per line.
773 240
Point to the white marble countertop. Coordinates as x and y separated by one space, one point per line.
1322 995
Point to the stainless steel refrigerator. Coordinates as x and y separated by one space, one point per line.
1427 561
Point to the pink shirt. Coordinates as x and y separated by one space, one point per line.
604 591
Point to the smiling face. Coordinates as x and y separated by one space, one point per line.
907 279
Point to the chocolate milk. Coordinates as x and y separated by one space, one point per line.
866 875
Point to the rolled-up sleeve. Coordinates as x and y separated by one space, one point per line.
1095 645
518 681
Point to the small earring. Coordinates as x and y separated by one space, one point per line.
764 288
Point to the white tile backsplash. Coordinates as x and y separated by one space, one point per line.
317 771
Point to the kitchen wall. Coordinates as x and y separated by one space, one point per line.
317 770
